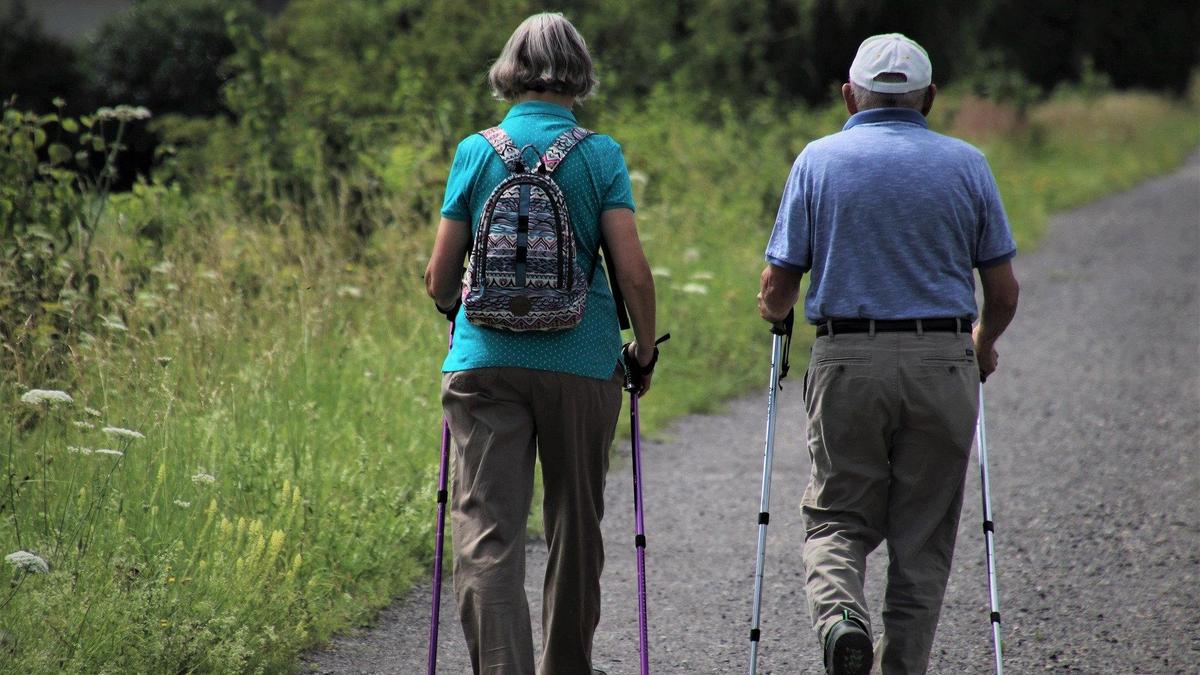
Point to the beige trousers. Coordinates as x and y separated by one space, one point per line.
890 424
500 418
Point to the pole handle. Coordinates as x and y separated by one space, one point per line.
784 329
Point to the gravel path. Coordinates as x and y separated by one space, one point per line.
1094 440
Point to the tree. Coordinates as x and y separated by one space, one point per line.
165 55
36 80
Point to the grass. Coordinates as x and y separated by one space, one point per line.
299 374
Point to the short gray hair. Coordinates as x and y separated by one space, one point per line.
544 54
867 99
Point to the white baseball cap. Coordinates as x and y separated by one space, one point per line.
905 63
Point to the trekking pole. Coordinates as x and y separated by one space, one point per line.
988 534
443 471
780 348
639 539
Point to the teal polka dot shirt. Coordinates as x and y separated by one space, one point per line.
594 179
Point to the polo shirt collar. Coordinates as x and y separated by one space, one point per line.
886 115
539 108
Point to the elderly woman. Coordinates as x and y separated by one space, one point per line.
555 394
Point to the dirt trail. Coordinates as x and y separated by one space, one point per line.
1094 441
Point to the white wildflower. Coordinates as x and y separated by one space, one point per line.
691 255
38 396
638 177
211 275
695 289
84 424
163 267
124 433
113 322
149 300
702 276
349 292
204 479
24 560
74 450
109 451
182 504
123 113
93 412
661 272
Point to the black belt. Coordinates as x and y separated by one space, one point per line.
901 326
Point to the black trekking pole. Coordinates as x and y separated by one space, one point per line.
988 534
443 473
633 382
781 342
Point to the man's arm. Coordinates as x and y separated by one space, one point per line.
443 276
779 292
1000 292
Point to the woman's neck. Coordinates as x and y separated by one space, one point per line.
565 100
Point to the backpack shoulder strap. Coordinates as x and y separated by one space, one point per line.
613 285
558 150
504 146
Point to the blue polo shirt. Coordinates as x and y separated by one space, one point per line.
593 179
889 219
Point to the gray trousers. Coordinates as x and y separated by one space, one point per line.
500 419
890 425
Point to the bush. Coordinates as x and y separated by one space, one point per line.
49 292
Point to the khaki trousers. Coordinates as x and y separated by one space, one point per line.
890 425
500 418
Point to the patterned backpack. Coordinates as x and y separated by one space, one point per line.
522 274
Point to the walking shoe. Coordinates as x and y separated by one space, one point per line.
848 649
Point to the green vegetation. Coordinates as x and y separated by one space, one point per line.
248 460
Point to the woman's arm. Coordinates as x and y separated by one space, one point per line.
633 276
443 275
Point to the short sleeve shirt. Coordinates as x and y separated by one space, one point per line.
594 179
889 218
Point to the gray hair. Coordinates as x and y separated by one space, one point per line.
544 54
867 99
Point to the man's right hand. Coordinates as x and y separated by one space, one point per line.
1000 293
987 357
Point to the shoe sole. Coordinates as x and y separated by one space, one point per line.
852 655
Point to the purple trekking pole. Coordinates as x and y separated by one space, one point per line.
633 383
443 473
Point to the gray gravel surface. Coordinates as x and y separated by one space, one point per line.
1094 443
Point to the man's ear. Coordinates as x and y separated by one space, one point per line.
848 97
928 104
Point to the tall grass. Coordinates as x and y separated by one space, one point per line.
285 383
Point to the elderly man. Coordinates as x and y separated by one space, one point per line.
889 219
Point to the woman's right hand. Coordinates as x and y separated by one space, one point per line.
644 357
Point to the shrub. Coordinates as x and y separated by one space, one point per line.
49 292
